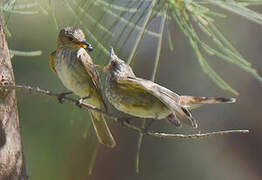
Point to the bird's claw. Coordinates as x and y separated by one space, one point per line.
80 101
144 131
61 97
125 120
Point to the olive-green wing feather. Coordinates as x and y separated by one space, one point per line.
51 61
87 62
90 68
169 98
103 132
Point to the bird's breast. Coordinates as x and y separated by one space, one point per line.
71 72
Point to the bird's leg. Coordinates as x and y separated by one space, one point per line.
174 120
126 120
147 125
61 96
80 101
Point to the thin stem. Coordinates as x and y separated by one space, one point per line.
141 135
162 26
139 146
149 14
184 136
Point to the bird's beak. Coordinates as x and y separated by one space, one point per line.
107 67
104 68
98 66
85 45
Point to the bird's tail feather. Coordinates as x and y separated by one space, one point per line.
192 102
102 131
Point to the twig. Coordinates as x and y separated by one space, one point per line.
37 90
184 136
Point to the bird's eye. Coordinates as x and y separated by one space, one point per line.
113 63
70 38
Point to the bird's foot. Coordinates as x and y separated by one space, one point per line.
61 96
80 101
147 125
124 120
172 119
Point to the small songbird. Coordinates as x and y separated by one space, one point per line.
76 70
145 99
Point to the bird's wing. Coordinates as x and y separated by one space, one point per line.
169 98
89 66
51 61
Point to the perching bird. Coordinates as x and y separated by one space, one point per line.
76 70
145 99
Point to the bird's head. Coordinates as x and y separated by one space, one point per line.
117 66
73 37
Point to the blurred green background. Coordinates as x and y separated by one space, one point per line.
58 145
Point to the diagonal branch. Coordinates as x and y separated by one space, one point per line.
37 90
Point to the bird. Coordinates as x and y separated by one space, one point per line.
75 68
145 99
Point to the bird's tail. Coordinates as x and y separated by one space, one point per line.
195 101
102 131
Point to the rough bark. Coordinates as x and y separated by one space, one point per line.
12 166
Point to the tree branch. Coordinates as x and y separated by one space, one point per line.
12 166
39 91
